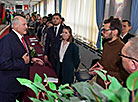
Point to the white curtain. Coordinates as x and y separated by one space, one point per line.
37 8
42 8
81 16
50 6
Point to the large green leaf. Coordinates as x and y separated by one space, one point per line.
83 88
101 75
52 94
50 98
109 77
40 86
34 88
24 81
67 91
130 81
115 85
63 87
110 95
34 99
98 99
37 78
123 93
52 86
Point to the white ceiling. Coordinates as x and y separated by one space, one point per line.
20 2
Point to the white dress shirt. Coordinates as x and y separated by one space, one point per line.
63 50
123 35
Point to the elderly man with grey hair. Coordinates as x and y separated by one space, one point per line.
129 54
14 61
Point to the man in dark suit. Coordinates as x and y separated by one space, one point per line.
52 39
8 17
42 29
14 61
125 35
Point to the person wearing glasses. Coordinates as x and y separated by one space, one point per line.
125 35
129 55
110 61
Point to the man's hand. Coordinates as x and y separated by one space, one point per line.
38 61
97 66
45 58
26 58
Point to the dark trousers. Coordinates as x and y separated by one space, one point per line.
11 97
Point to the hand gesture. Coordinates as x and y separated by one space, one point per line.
38 61
97 66
26 58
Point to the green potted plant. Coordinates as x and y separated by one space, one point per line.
83 91
77 92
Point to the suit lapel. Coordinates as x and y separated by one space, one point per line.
18 40
67 51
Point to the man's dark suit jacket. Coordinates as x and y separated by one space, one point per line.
128 36
51 45
12 64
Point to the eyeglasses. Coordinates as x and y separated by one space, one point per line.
105 30
128 57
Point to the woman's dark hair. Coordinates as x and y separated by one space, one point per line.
70 31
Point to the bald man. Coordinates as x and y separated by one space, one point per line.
14 61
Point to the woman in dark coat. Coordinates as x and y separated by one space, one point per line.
68 57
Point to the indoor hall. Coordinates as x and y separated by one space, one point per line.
92 50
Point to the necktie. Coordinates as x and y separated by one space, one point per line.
24 43
55 31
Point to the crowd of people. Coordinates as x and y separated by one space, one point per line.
59 50
118 58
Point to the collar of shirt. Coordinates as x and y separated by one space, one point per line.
123 35
57 29
63 50
19 35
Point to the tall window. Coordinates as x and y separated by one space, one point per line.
81 16
50 6
42 8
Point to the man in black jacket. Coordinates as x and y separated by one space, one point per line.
52 39
125 35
